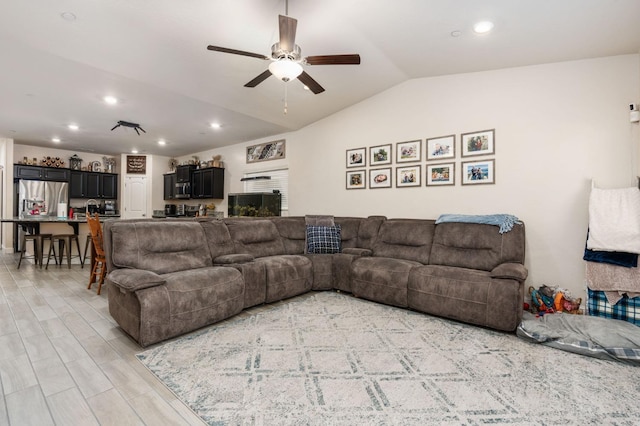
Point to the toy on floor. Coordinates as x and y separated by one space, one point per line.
547 300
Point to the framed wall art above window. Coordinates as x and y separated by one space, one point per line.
275 150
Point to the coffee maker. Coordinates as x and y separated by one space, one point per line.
110 208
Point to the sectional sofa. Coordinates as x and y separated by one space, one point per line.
169 277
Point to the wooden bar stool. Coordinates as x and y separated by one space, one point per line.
64 243
99 262
38 247
86 247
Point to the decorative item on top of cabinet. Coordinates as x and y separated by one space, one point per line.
75 162
109 164
52 162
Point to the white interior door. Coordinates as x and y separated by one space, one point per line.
135 198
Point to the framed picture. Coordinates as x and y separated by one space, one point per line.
441 147
478 172
136 164
441 174
266 151
357 157
408 176
379 155
478 143
356 179
380 178
407 152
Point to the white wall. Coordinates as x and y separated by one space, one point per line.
558 126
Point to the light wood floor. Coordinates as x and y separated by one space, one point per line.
63 359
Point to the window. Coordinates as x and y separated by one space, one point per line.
267 181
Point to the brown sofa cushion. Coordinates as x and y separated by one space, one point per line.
476 246
259 238
135 279
160 247
408 239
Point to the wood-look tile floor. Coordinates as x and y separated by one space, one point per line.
64 360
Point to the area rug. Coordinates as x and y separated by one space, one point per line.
332 359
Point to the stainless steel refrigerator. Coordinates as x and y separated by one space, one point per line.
42 193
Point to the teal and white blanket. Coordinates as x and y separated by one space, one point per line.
504 221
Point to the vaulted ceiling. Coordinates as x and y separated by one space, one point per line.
59 59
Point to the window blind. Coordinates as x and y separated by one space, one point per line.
279 180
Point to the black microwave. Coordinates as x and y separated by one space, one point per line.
183 190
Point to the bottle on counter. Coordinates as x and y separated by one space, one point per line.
70 212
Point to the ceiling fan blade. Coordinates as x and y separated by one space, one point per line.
287 32
333 60
310 83
259 79
236 52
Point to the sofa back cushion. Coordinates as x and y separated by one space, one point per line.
349 228
369 230
159 247
218 237
408 239
258 237
476 246
292 230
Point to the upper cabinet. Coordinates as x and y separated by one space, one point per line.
169 186
40 173
208 183
93 185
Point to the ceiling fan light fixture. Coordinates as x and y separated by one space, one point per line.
285 69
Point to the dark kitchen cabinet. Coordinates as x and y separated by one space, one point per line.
208 183
93 185
169 186
183 173
109 186
40 173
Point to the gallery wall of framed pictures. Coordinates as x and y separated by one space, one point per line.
399 164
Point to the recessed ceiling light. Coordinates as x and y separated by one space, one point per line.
111 100
73 126
161 142
215 125
134 151
305 87
56 140
483 27
68 16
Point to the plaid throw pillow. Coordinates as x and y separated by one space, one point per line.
323 239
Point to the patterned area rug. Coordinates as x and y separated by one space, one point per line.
331 359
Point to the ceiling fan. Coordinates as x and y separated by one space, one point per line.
286 57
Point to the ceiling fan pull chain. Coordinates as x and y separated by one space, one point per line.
285 99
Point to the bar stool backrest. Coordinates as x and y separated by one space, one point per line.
96 234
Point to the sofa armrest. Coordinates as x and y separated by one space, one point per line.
135 279
514 271
362 252
229 259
